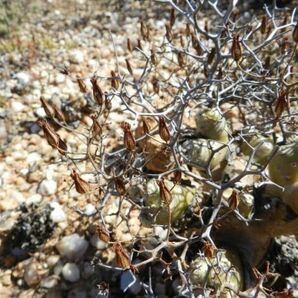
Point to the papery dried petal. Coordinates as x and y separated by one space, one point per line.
163 130
122 258
81 185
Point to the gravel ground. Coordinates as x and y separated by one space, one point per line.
47 247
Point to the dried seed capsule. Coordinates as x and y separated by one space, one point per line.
181 61
236 48
196 44
120 186
122 258
59 114
82 85
52 136
153 57
129 140
155 84
81 185
114 80
97 92
129 46
263 25
168 32
233 200
102 233
128 66
96 127
281 103
164 132
208 249
164 192
49 110
172 17
211 56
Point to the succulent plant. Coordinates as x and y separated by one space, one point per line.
218 274
283 168
181 198
264 146
290 196
212 125
203 152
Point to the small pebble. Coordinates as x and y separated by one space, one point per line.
47 187
31 275
57 214
71 272
72 247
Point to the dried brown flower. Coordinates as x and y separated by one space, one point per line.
114 80
103 234
211 56
163 130
236 48
129 140
120 186
128 66
97 92
129 46
208 249
52 136
48 108
96 127
233 200
263 24
164 192
81 185
122 258
281 103
82 85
